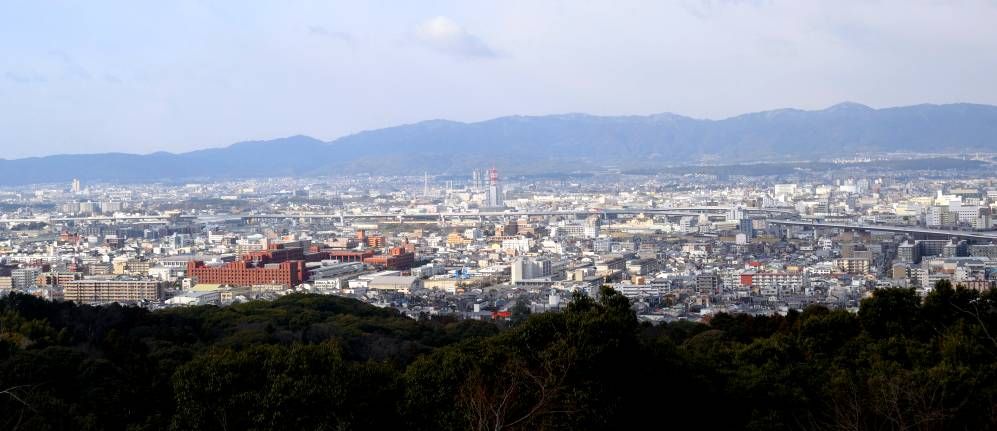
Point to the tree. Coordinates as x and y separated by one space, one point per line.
520 311
890 312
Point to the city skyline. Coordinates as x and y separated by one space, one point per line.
449 215
179 77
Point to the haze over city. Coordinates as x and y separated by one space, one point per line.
85 77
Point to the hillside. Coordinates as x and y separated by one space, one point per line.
318 362
554 143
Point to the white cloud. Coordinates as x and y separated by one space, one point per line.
444 35
318 30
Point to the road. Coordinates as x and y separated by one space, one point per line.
986 236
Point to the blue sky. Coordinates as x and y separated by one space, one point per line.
95 76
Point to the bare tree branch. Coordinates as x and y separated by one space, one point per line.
976 314
10 392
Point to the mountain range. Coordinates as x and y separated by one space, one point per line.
551 143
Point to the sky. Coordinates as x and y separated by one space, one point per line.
139 77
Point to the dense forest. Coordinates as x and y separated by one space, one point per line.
308 362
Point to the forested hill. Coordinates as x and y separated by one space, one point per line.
320 362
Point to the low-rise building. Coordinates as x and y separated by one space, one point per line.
100 291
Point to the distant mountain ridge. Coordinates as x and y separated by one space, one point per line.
564 143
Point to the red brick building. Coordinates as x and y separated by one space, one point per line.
373 241
277 265
350 255
397 258
244 273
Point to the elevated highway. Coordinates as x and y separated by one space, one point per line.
912 230
677 212
99 219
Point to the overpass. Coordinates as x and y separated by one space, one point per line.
913 230
675 212
159 218
782 211
114 218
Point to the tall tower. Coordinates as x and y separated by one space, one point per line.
425 184
76 185
494 189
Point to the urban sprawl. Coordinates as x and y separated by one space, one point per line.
480 246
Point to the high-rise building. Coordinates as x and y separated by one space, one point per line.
89 208
938 215
76 185
908 253
746 227
709 283
592 227
476 181
526 269
23 278
494 189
